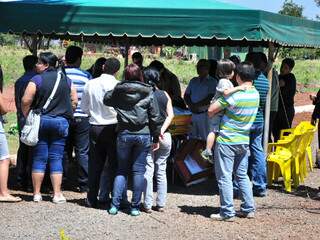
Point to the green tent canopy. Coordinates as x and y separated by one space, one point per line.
146 22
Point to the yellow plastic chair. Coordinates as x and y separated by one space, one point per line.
280 157
300 165
302 127
312 131
303 149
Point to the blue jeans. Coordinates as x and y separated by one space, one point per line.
79 140
233 160
132 150
52 137
257 160
156 166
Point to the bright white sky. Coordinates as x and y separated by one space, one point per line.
310 8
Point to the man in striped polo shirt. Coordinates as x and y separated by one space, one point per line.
232 146
257 160
78 138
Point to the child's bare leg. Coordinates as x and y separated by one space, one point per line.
210 141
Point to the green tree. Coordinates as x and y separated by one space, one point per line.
292 9
8 39
318 4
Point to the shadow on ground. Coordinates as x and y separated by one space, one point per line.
300 191
205 211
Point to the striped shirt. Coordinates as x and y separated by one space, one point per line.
240 112
262 85
79 78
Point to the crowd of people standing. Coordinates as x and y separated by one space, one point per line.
120 128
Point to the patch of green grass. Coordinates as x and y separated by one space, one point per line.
307 71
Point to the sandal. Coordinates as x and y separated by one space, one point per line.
10 198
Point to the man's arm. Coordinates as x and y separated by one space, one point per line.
214 108
3 108
17 98
28 97
85 100
232 90
74 97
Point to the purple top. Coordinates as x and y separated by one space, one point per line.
37 79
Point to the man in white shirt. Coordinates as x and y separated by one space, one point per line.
103 136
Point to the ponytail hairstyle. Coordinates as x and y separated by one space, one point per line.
152 77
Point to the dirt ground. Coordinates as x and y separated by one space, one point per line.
280 215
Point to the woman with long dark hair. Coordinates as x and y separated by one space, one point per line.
157 160
53 124
138 121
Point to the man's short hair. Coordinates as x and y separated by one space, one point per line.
289 61
246 71
137 55
258 59
73 53
29 62
203 63
235 59
157 65
111 66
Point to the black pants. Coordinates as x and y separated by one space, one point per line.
78 139
103 151
273 116
24 165
281 121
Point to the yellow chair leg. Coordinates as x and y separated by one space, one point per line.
271 166
296 172
276 172
309 152
287 178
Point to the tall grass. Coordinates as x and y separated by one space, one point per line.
11 62
306 71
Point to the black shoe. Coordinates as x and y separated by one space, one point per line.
260 194
90 204
83 189
125 204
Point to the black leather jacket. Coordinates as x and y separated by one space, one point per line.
137 110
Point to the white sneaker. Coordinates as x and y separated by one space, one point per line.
218 217
37 198
59 199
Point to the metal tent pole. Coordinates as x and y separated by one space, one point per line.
126 60
271 52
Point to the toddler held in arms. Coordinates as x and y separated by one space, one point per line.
225 88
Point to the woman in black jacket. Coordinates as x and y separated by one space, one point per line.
138 121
